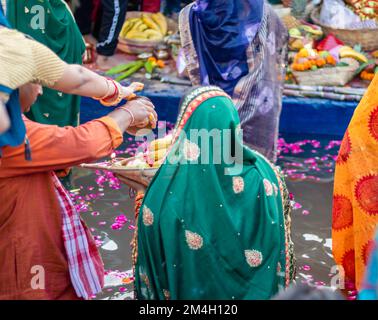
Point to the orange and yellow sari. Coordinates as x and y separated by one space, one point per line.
355 201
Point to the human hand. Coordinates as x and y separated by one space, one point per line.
144 114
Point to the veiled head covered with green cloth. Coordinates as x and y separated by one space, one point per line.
51 23
215 220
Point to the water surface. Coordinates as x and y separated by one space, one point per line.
308 162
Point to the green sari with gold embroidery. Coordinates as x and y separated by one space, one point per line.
214 223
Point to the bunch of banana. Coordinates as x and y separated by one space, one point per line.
147 27
154 156
160 144
157 150
348 52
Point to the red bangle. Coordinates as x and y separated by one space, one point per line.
116 92
118 96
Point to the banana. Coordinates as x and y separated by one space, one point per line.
136 25
127 26
133 20
136 35
161 21
348 52
150 23
124 29
158 144
312 30
153 34
142 27
156 155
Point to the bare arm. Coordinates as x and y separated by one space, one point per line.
4 119
81 81
55 148
23 60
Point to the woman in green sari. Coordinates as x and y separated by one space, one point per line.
214 222
51 23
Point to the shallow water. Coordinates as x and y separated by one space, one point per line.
308 163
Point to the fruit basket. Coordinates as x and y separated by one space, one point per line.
135 43
140 168
334 76
367 38
119 166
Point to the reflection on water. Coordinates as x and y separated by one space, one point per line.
107 208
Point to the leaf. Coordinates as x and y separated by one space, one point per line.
358 48
342 64
120 68
363 66
376 70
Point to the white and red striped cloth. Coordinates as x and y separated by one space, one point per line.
84 261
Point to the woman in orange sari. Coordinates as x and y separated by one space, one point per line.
355 201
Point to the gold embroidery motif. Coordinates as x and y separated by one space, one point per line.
148 216
254 258
194 240
238 184
268 187
145 279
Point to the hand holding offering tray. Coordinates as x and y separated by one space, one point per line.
139 169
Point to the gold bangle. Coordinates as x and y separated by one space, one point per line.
130 113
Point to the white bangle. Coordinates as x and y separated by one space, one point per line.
107 91
131 114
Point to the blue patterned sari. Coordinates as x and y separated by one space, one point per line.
240 46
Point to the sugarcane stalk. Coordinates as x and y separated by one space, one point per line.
121 68
130 71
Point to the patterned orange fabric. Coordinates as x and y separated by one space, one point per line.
30 214
355 201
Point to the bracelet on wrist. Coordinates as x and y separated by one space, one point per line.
116 98
130 113
107 91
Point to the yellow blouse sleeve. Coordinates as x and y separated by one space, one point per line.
24 60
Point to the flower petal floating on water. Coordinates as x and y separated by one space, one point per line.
306 267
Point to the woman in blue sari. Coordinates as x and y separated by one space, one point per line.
240 46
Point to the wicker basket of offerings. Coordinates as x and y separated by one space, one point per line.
367 37
314 68
144 31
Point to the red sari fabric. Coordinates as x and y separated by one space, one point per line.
151 5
